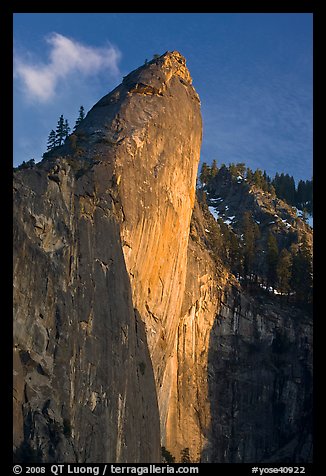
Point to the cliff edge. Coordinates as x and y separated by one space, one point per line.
130 331
100 240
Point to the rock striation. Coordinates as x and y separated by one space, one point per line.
147 135
129 334
260 382
83 382
242 388
100 238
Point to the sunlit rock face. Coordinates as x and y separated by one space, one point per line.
84 386
129 333
101 234
241 378
151 130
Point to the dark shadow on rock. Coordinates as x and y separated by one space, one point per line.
260 383
84 386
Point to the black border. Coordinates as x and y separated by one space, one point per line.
225 6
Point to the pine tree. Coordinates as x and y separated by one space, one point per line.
51 140
309 203
60 131
235 255
309 191
80 117
284 271
277 184
301 194
284 186
272 259
205 174
167 457
266 182
258 178
301 279
250 236
291 192
214 169
241 168
249 175
66 129
233 169
304 195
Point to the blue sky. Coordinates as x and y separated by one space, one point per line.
253 73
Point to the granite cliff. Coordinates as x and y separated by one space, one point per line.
128 333
243 360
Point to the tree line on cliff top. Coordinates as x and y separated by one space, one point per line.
259 259
58 136
281 185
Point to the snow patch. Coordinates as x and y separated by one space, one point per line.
214 200
270 289
288 225
214 212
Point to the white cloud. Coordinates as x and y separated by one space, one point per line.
67 57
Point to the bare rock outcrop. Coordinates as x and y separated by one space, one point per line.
129 333
241 390
147 132
84 387
101 235
260 382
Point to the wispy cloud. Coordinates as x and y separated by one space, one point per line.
67 59
264 121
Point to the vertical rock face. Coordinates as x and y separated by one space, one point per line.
128 334
101 234
150 129
260 380
242 385
84 387
189 413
